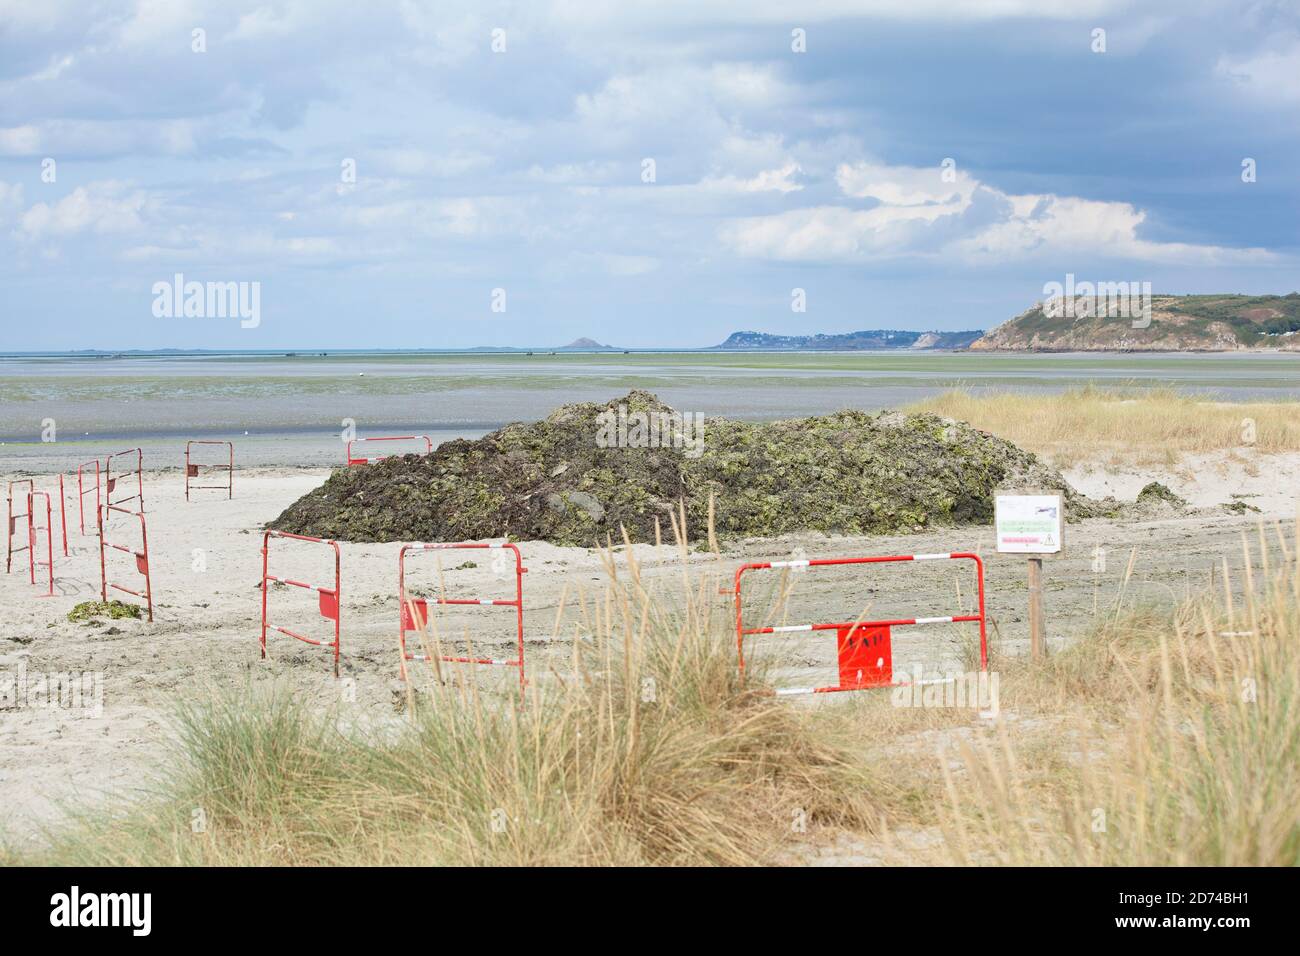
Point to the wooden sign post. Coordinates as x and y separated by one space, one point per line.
1032 524
1036 607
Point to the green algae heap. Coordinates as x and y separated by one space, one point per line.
572 479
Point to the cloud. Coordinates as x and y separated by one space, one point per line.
903 186
526 166
768 180
917 214
412 161
820 11
100 207
1270 76
20 141
11 199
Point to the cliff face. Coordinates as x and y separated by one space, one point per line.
844 341
1212 323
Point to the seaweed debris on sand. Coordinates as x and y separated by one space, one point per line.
574 478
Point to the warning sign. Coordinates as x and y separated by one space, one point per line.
1028 523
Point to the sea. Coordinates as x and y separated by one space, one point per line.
296 408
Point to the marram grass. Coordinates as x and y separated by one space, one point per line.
1160 738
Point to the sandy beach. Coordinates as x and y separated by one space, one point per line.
206 567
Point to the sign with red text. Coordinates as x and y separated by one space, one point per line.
1028 523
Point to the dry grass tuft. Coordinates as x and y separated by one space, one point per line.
1137 426
649 752
1183 745
1161 738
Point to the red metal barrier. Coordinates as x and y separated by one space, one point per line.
414 612
141 556
328 602
865 651
111 480
428 447
63 514
32 563
192 469
82 491
13 520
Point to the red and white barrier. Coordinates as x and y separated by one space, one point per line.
414 612
355 460
12 524
48 563
63 514
140 554
82 490
864 648
111 479
192 469
328 598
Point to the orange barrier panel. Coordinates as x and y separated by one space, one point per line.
428 447
864 648
329 598
192 469
141 556
414 612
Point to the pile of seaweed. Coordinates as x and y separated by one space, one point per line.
580 476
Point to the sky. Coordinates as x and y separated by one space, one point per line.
448 174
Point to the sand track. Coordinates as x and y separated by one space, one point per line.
206 567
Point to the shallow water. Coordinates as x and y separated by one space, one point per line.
283 410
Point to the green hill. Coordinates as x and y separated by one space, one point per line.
1212 323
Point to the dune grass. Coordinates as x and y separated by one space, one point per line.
647 752
1184 744
1160 738
1142 426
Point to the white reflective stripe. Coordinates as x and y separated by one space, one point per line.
792 691
790 564
932 620
484 600
792 627
929 557
496 544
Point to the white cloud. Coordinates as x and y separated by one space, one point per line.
20 141
903 185
100 207
420 162
769 180
917 214
817 11
1271 76
11 199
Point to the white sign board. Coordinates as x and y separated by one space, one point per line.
1028 524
